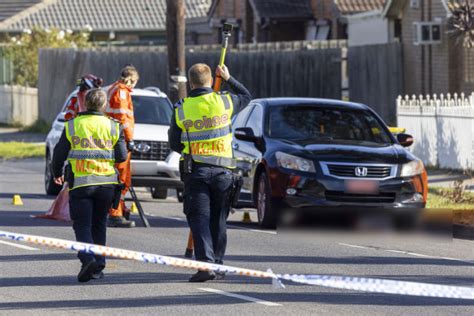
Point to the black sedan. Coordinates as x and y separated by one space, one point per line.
323 155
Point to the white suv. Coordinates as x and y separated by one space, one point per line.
154 165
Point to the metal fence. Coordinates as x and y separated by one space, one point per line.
303 73
442 126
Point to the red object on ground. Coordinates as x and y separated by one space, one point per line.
60 209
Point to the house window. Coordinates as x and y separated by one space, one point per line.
426 33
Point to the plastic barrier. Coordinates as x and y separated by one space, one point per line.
340 282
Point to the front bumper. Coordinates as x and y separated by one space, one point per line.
153 173
327 194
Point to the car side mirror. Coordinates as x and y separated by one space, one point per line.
245 134
405 140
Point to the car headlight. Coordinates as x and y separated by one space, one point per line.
413 168
294 162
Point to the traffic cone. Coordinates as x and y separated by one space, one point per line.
246 218
17 200
59 210
134 208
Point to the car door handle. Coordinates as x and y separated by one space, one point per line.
235 146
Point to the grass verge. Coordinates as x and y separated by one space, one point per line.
19 150
459 205
40 127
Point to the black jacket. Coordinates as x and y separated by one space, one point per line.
240 100
63 147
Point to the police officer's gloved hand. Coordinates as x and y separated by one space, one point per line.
131 145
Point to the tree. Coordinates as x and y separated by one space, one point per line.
461 22
23 50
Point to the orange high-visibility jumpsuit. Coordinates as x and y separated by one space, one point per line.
120 107
76 104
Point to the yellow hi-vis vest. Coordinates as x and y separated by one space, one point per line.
206 120
91 157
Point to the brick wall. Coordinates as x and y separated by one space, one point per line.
429 68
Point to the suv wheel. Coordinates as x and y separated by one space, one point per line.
159 193
179 194
266 208
49 185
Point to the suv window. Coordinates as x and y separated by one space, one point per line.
241 118
255 120
151 110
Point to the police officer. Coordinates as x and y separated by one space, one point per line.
91 143
201 132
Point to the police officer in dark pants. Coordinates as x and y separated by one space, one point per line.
201 132
91 143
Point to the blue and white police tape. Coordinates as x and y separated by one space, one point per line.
339 282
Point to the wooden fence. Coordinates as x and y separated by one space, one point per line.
302 73
376 77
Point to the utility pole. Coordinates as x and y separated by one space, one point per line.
175 36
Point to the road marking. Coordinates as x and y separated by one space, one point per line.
17 246
406 253
228 225
353 246
253 230
242 297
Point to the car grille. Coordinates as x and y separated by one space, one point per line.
349 171
339 196
158 151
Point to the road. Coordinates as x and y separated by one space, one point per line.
38 280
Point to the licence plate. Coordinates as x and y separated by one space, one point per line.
361 186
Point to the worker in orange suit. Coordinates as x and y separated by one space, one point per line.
76 103
120 107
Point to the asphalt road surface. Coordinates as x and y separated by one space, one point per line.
38 280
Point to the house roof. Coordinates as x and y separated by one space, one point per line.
357 6
9 8
275 9
103 15
393 8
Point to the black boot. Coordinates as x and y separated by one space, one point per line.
87 271
202 276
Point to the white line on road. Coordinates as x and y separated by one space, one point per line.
242 297
17 246
352 246
405 252
232 226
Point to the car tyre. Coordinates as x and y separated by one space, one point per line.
159 193
51 188
266 207
179 194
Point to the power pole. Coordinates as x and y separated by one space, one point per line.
175 37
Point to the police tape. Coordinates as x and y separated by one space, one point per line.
340 282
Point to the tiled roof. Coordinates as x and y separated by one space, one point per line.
9 8
357 6
283 8
104 15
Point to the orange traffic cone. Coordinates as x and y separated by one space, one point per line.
60 208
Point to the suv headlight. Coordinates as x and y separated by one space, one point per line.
294 162
412 168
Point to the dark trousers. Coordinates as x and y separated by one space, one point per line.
206 205
88 207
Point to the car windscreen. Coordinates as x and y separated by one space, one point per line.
318 124
151 110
